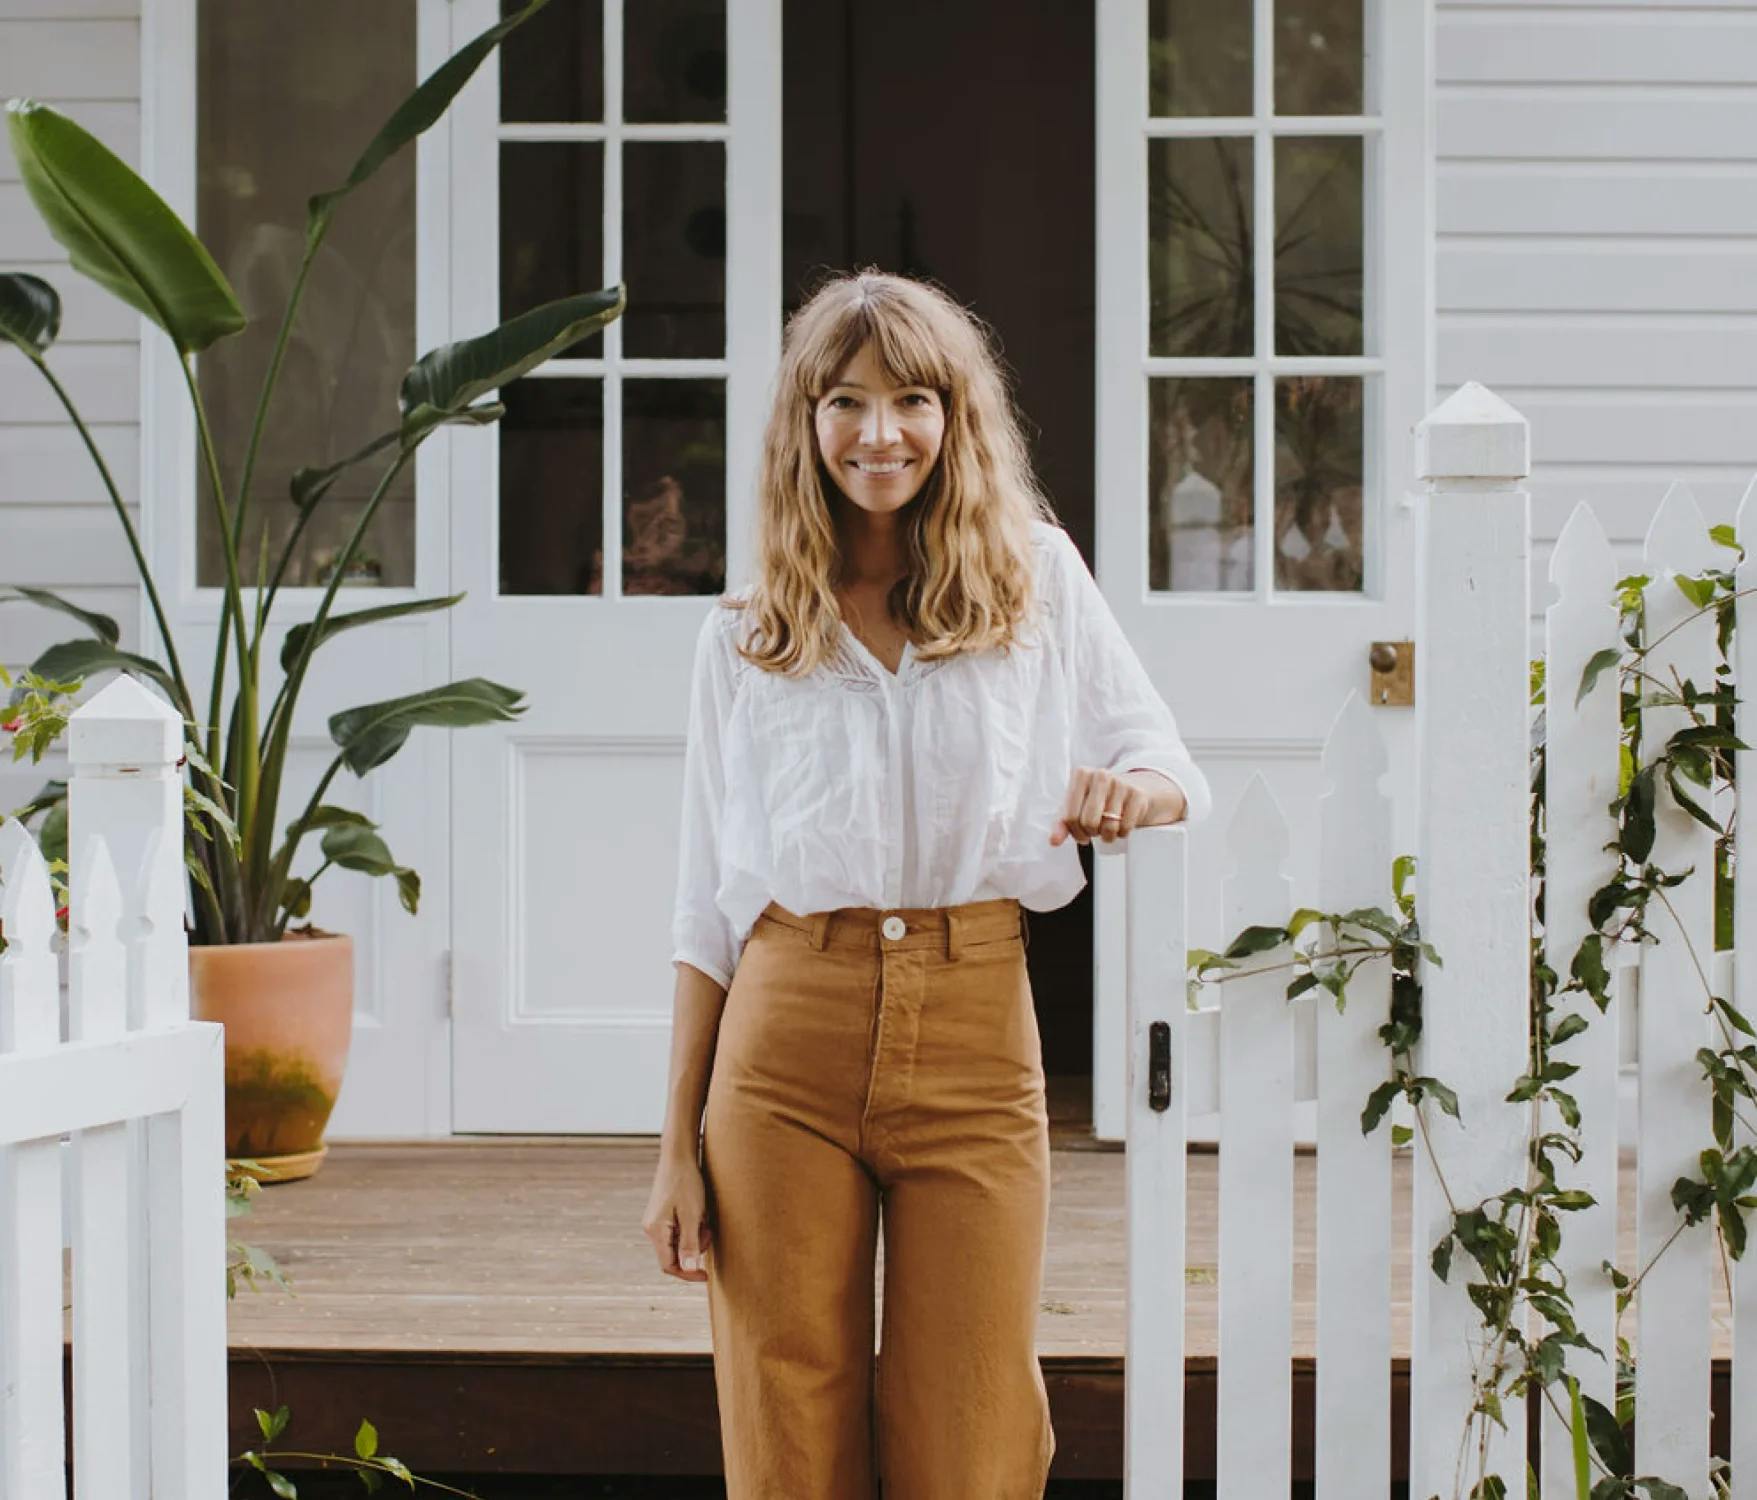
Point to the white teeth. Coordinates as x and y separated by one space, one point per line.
890 468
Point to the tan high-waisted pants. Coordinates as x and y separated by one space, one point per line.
857 1072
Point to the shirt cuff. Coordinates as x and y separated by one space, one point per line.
708 967
1196 805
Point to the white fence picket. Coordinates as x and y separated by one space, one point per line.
1255 1434
1153 1402
33 1433
1474 881
1580 781
1353 1456
1744 997
139 1087
97 1012
1672 1307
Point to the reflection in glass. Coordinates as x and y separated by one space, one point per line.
1318 483
552 66
1199 247
674 486
674 244
1199 521
551 226
1318 245
552 487
674 60
1318 57
1199 57
256 70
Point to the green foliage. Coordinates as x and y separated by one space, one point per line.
1511 1239
120 233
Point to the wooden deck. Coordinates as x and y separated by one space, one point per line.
493 1306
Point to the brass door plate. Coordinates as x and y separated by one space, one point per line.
1392 664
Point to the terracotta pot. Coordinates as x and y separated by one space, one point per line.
288 1010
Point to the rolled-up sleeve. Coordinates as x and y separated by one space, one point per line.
701 934
1121 723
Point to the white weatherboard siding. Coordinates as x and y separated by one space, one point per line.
57 528
1597 248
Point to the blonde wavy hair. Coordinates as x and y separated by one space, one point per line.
968 529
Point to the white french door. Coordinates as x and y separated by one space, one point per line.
1264 350
615 141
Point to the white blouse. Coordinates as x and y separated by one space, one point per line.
933 787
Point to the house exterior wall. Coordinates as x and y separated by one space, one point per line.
1597 247
57 527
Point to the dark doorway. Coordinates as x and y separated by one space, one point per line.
953 139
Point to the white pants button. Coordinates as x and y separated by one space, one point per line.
895 927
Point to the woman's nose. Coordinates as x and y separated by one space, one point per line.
879 426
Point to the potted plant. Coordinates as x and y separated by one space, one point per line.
283 989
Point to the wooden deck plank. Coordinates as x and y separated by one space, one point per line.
533 1247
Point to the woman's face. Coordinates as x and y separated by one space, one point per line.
879 441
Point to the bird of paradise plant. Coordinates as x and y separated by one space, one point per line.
121 234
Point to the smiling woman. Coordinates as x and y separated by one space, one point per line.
259 72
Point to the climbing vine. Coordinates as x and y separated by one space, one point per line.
1510 1240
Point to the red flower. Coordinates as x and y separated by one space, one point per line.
10 726
60 913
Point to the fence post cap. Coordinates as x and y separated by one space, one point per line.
1473 434
124 724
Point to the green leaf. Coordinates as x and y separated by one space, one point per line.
441 384
283 1487
416 113
118 231
81 658
328 816
30 312
310 485
1699 591
1595 667
102 626
1256 939
356 848
1377 1103
1401 1135
365 1440
335 624
370 735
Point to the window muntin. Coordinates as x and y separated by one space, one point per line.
621 180
1262 364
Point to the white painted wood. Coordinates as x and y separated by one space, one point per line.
77 58
1328 636
1594 276
1744 997
540 1043
1646 427
1580 780
1353 1427
1640 349
1531 44
1154 1183
1494 197
101 379
1508 123
1254 1440
48 464
1473 856
1672 1343
61 544
32 1423
103 1370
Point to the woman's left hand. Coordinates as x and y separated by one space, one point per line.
1111 804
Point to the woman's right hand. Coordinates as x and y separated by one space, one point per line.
676 1220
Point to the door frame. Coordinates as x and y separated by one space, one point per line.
1398 245
399 1073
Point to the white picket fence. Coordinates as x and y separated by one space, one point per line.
1251 1053
138 1089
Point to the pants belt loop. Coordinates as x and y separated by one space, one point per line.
954 937
820 929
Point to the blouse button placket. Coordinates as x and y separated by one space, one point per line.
894 786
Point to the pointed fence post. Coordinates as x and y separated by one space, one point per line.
1581 754
1473 892
1672 1303
125 746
